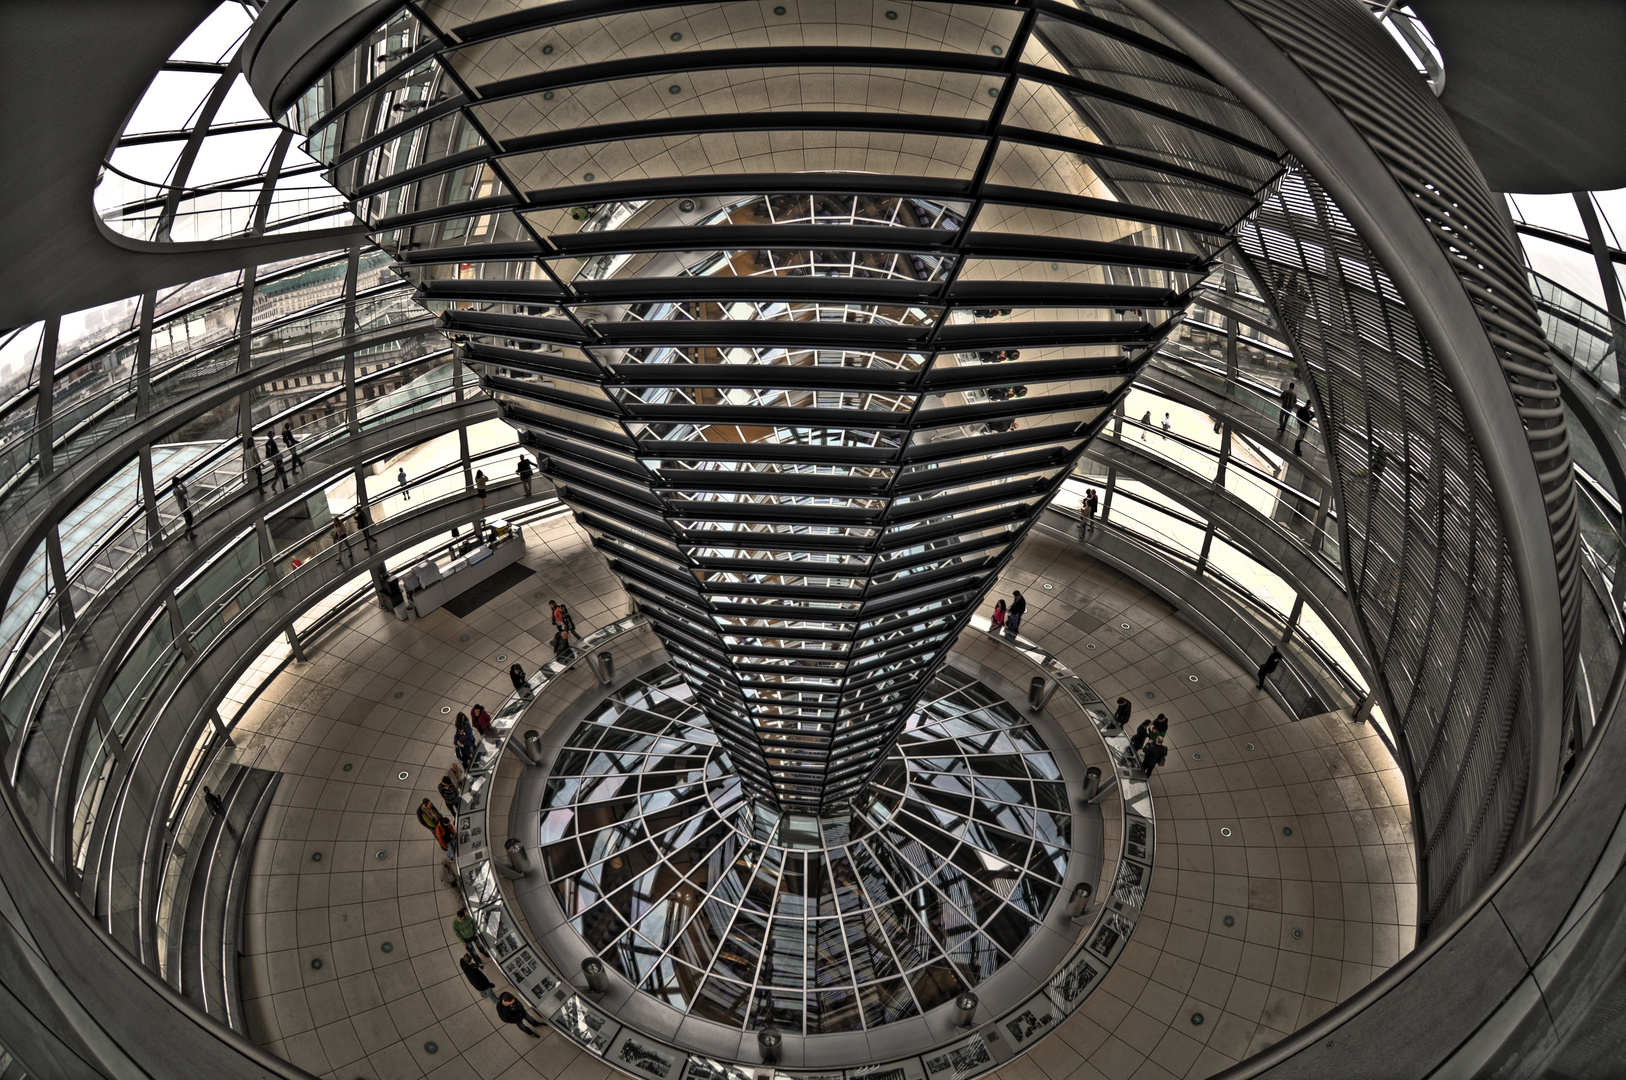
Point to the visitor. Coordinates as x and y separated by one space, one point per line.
450 795
524 470
1121 717
474 970
1013 618
997 620
289 441
510 1010
364 525
274 456
428 816
480 487
516 675
467 932
1155 754
400 476
1272 662
1289 402
480 719
178 489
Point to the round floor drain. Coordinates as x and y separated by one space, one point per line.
1196 757
1050 586
1197 1019
387 947
1225 832
399 695
502 658
445 710
316 965
1247 746
381 854
1297 933
404 774
462 637
1287 830
432 1046
1230 920
1191 678
1150 694
348 766
316 856
1123 626
1089 646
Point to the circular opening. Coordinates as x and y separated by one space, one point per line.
674 89
1230 920
547 95
1287 830
445 710
1225 832
1150 694
1191 678
387 947
588 177
381 854
404 774
1090 645
1199 757
676 36
348 766
432 1046
687 205
1247 746
316 856
993 91
778 11
502 658
547 50
1050 586
1297 933
400 694
998 50
1197 1019
316 965
1122 625
462 637
892 14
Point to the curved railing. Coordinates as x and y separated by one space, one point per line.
549 992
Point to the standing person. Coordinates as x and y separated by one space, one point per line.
566 623
428 816
1380 459
400 475
516 675
1160 727
1305 415
474 970
1272 662
341 541
1155 754
253 455
289 441
1289 402
1142 734
446 836
364 525
1013 618
996 621
480 719
480 486
467 932
1121 717
449 794
274 456
178 489
1086 512
510 1010
561 645
524 470
463 744
553 613
213 802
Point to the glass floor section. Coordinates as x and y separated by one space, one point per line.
723 908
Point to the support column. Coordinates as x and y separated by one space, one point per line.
1611 287
59 578
42 408
149 493
143 362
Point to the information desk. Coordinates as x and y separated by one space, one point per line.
430 584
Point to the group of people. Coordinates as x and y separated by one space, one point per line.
1008 618
1147 743
510 1009
1292 407
564 630
273 457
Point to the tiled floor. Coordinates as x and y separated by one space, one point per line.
1341 880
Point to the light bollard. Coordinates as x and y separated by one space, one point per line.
606 668
965 1009
1036 692
1080 900
533 745
598 980
1092 783
518 857
769 1042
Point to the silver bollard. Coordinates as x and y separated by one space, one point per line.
1036 692
768 1044
1080 900
965 1009
533 745
1092 783
598 980
518 857
606 668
